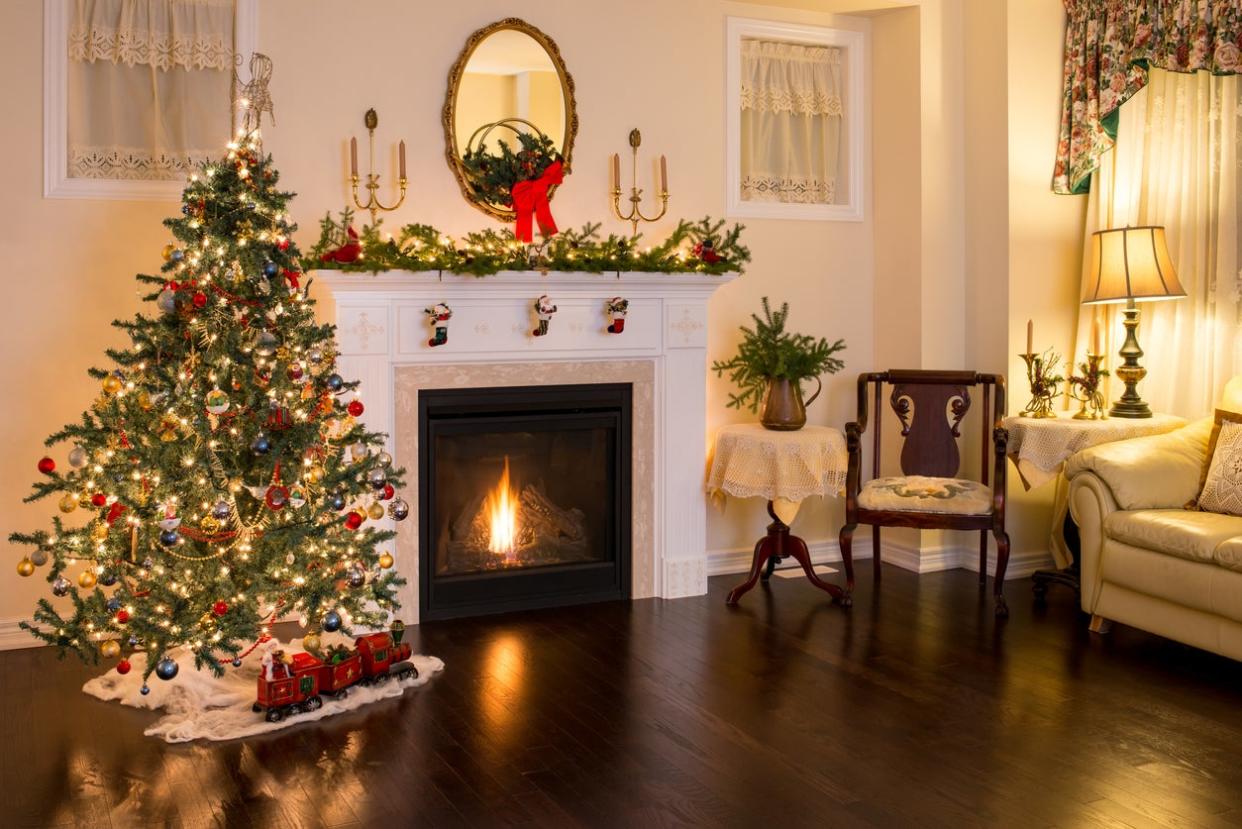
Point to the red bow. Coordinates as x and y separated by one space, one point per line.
292 276
531 198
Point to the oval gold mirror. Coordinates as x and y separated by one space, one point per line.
508 87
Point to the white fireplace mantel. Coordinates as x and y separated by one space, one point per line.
382 327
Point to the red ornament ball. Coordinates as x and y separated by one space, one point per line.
199 299
220 608
99 499
123 666
355 408
47 466
295 371
283 244
122 616
354 520
388 492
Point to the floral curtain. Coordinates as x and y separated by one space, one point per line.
1109 47
791 122
149 86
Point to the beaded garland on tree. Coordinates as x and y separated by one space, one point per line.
224 475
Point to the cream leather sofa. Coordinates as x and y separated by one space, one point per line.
1146 561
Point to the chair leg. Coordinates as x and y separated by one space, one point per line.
847 553
875 552
983 558
998 578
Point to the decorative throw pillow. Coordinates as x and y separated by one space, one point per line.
1222 491
1222 416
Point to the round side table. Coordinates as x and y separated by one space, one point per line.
785 468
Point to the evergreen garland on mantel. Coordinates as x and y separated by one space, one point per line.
693 247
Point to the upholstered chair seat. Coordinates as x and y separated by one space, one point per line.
923 493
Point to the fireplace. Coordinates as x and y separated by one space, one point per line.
524 497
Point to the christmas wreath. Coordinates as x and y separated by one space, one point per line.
521 181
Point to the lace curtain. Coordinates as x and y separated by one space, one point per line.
149 86
1175 163
791 124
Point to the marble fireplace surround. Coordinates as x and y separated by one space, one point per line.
383 337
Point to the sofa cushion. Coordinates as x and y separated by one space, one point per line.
921 493
1154 472
1182 533
1229 553
1222 483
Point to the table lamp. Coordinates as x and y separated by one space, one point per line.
1130 265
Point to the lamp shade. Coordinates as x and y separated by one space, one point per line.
1130 263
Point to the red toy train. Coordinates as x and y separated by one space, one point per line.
291 685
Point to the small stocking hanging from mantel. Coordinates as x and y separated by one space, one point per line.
544 309
617 307
438 317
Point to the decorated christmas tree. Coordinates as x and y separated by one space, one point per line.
221 481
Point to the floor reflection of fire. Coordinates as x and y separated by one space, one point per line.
516 524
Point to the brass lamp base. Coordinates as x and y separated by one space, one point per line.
1130 405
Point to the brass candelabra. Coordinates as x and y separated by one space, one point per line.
1085 388
1044 383
373 203
635 214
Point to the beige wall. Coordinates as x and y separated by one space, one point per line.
71 263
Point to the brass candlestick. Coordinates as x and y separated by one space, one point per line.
636 195
373 204
1086 389
1043 383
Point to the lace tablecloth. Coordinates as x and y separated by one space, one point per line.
1039 447
786 468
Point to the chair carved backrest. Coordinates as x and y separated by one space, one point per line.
930 418
930 406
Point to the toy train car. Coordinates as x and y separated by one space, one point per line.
288 687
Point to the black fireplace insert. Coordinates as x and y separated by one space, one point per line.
524 498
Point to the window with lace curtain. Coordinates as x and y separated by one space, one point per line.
138 92
794 132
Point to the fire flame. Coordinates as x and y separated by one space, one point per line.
502 509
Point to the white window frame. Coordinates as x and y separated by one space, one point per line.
57 184
855 44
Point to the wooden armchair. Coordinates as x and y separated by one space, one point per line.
928 494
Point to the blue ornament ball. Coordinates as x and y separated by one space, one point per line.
177 255
221 509
332 621
166 301
270 269
336 501
145 690
107 578
237 662
114 604
334 382
261 445
134 641
169 537
166 669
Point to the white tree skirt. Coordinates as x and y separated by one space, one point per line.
200 706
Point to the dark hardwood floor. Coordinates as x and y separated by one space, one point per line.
915 708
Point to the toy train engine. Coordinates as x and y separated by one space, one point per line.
289 685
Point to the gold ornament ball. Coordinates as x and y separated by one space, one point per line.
315 474
68 502
210 524
311 642
109 649
86 579
144 401
25 567
376 511
99 532
111 384
385 560
168 252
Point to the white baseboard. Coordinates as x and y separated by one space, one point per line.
905 556
13 637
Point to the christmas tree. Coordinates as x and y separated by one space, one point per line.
225 478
